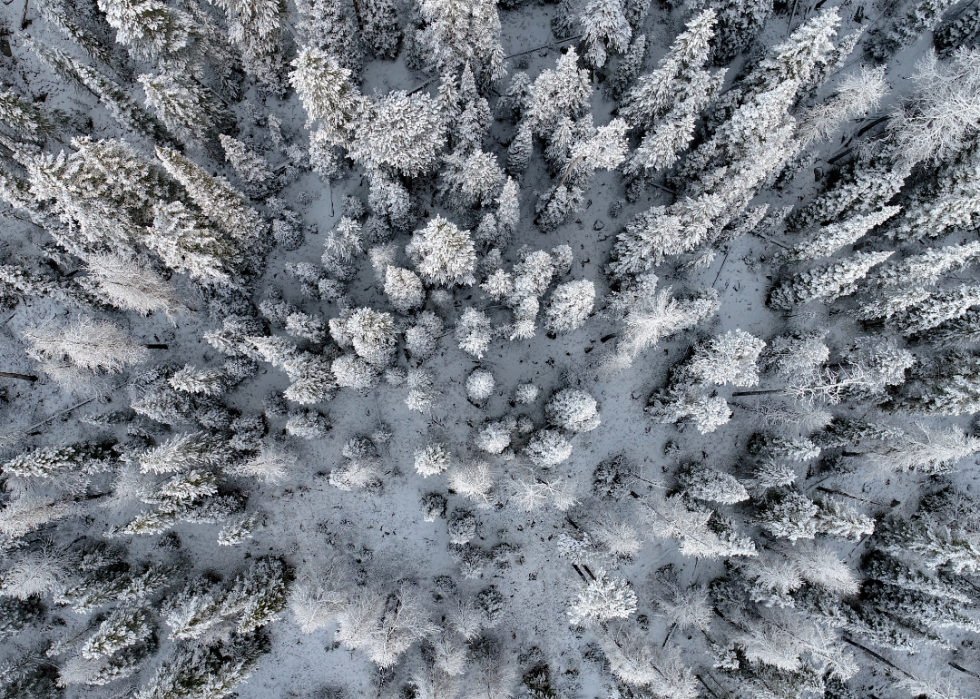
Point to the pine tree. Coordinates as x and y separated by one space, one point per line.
56 462
951 203
379 27
473 332
256 27
209 382
102 192
830 282
404 289
629 67
117 101
728 358
185 106
937 308
133 285
331 26
22 117
125 627
479 386
547 448
473 179
660 231
186 244
865 187
248 165
327 94
149 28
458 34
204 670
443 254
257 595
432 459
602 599
658 92
739 21
570 306
399 131
705 483
605 29
788 514
835 236
562 92
99 346
839 519
219 201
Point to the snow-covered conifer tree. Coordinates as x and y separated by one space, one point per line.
251 167
327 94
209 382
548 448
832 238
602 599
473 179
184 106
131 284
570 305
520 150
420 339
480 385
149 28
404 289
728 358
399 131
219 201
473 332
605 30
443 254
87 343
432 459
187 244
657 92
458 34
562 92
830 282
256 27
